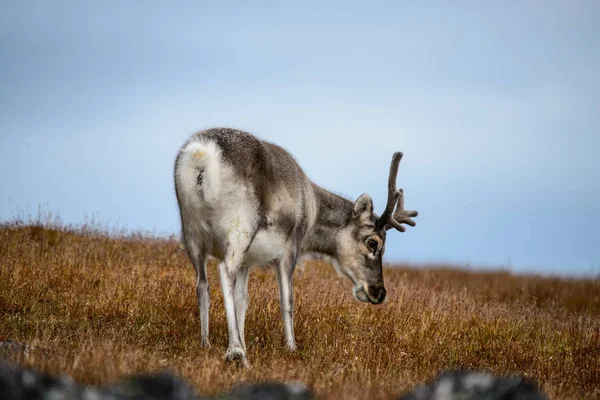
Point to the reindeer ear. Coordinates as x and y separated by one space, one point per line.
363 208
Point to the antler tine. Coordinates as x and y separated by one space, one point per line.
393 194
401 215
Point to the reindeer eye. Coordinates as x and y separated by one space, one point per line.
372 243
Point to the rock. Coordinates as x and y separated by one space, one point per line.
473 385
10 348
160 386
28 384
270 391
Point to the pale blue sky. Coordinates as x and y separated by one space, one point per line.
496 106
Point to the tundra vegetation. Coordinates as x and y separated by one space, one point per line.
98 306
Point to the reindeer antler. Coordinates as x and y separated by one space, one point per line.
394 214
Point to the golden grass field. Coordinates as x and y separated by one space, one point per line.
98 307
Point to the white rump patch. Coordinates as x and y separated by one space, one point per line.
200 158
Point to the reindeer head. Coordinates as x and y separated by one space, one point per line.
361 243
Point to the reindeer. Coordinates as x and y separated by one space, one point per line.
247 202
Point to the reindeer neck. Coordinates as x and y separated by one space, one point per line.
333 213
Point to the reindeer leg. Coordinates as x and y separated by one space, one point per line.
285 271
239 240
241 301
199 259
235 352
203 295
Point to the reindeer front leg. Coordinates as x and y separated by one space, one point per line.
285 271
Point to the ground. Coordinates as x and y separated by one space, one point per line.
98 307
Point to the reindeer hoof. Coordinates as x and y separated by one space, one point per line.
206 343
236 355
291 347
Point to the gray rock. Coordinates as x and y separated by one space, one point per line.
473 385
10 348
160 386
28 384
270 391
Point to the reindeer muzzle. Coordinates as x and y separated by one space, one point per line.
376 294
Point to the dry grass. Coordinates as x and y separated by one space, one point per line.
98 308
